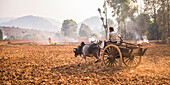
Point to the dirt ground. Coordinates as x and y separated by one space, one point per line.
44 64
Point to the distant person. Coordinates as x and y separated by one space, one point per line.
49 39
114 36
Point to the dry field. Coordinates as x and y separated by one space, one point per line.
44 64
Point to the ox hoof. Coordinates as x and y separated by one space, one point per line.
78 65
97 61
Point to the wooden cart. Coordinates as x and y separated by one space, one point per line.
115 53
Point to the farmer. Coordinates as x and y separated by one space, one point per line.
114 36
49 39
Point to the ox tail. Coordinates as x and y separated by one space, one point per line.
99 51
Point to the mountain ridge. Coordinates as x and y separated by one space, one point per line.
31 22
49 24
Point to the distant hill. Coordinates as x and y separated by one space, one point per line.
94 23
33 22
6 19
54 22
48 24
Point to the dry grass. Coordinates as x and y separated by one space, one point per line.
25 64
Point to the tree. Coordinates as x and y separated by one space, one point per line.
143 21
110 23
85 31
163 20
12 37
106 22
151 7
102 18
137 28
69 28
122 10
159 11
150 30
1 35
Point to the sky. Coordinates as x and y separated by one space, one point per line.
78 10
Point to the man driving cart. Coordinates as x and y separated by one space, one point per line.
114 36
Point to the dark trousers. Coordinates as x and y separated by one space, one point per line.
109 42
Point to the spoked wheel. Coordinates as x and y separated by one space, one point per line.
132 61
112 56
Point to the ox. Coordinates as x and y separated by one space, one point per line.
90 50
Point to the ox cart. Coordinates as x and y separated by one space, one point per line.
115 53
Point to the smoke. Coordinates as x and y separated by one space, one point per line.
4 37
68 40
144 40
136 32
92 39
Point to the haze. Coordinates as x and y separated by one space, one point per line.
60 10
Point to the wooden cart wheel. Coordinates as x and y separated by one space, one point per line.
112 56
132 61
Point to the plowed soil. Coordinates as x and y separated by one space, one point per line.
44 64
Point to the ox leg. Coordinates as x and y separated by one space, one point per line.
97 55
82 59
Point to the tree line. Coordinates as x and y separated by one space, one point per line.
151 20
70 29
